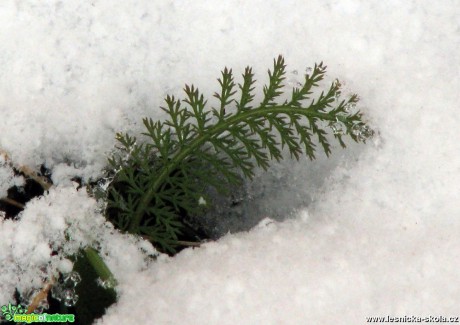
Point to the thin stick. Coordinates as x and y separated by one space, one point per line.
32 174
28 172
179 242
42 295
189 243
13 202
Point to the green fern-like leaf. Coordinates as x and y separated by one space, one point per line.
197 147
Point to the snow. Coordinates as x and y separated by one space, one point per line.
380 234
8 178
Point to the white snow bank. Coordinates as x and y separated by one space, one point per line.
298 273
72 74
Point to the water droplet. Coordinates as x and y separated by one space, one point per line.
295 72
356 130
108 283
74 278
349 107
336 128
64 289
362 132
294 83
69 297
367 132
56 291
104 183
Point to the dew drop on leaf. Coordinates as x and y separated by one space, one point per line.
336 128
356 130
349 107
107 284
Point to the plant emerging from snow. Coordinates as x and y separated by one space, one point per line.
169 175
196 147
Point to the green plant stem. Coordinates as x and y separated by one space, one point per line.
311 111
100 267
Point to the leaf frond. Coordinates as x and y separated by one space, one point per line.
196 148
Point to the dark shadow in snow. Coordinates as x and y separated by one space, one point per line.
276 193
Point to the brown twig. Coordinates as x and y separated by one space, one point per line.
32 174
188 243
29 172
13 202
42 295
179 242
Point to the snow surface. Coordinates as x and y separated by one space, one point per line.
380 236
7 177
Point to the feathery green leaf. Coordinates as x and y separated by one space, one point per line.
198 147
